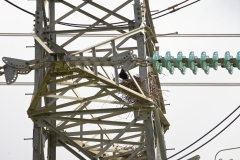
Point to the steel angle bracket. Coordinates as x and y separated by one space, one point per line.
14 67
123 60
143 115
39 122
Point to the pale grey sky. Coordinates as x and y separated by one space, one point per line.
193 110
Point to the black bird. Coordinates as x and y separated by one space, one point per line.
123 74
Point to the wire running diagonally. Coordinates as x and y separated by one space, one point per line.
121 23
211 138
169 8
174 10
207 134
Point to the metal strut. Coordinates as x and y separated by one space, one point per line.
82 114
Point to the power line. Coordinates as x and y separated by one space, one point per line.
64 23
20 8
204 134
177 9
87 25
172 7
211 138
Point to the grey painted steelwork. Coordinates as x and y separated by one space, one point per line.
38 152
71 114
52 140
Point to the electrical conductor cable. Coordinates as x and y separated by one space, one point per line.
205 134
211 138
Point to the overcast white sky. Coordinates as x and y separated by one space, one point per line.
193 110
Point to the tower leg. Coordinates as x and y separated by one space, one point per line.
38 77
149 139
160 137
36 143
52 139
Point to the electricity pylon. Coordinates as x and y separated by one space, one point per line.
77 105
71 86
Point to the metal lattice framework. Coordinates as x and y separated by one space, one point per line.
71 86
77 104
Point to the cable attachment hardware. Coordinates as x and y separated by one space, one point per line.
1 67
125 60
14 67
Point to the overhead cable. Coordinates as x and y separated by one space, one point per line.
172 7
211 138
206 135
88 25
175 9
69 24
20 8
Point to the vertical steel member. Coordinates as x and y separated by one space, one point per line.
38 77
52 140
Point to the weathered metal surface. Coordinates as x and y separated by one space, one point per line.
86 86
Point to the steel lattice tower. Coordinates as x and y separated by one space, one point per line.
77 104
65 71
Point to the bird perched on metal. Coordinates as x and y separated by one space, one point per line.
123 74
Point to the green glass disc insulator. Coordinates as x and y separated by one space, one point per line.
215 60
157 65
168 65
179 61
191 63
171 70
207 70
183 70
180 65
227 65
167 59
203 63
227 57
155 59
238 60
230 71
215 65
195 70
159 68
